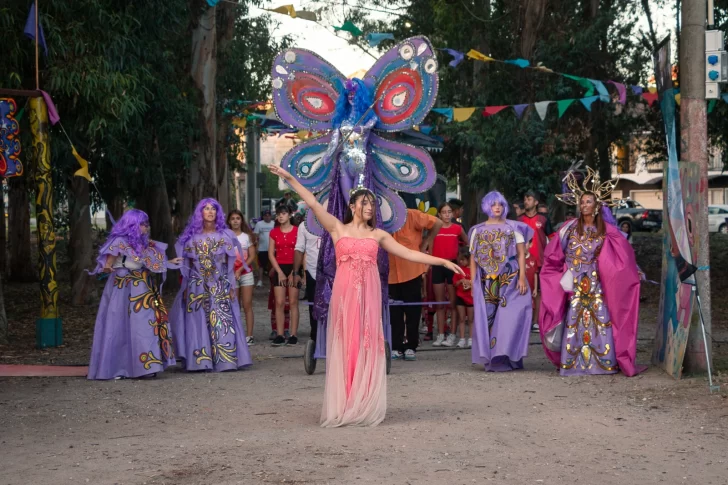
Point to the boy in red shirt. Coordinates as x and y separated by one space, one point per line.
464 297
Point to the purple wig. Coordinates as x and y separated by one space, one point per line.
195 223
129 227
492 198
362 101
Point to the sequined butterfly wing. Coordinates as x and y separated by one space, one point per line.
398 167
304 89
404 82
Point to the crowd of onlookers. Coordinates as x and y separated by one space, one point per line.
437 304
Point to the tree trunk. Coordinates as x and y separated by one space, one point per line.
3 316
202 175
20 266
80 246
3 231
156 204
115 208
223 180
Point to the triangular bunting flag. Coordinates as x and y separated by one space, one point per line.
349 27
563 105
587 102
518 62
650 98
603 93
636 90
584 82
83 171
519 109
446 112
542 108
462 114
491 110
473 54
711 105
543 68
677 99
306 15
285 10
621 89
376 38
457 57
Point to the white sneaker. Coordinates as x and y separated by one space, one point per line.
410 355
250 341
534 327
259 284
449 341
462 344
470 343
439 340
396 355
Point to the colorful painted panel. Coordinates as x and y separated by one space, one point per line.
676 298
10 166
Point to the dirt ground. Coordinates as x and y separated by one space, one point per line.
447 421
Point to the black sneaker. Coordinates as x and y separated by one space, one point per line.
292 340
278 341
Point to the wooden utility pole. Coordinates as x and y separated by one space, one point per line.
694 150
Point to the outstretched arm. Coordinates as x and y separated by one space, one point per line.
396 249
329 222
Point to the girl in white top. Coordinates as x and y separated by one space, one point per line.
244 279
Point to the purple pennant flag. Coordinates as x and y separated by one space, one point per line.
621 89
457 57
29 30
636 90
519 109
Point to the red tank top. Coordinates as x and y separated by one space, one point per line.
446 242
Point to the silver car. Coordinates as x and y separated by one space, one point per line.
717 218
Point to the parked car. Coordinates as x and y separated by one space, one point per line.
637 216
718 218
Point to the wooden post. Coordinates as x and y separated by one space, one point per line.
48 328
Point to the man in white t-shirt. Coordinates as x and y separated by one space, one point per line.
307 244
262 231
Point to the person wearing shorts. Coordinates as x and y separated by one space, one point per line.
244 279
262 231
281 252
446 246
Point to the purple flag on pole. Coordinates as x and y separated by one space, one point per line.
29 30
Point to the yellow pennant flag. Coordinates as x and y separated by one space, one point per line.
83 171
285 10
240 122
677 99
473 54
462 114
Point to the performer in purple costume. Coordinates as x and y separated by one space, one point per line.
590 287
501 295
205 318
395 94
131 336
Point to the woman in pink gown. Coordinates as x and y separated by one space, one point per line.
356 393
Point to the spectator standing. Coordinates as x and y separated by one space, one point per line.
405 282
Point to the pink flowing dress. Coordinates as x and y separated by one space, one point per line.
356 386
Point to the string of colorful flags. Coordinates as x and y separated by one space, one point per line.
595 89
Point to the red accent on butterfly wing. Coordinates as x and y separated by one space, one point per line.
399 95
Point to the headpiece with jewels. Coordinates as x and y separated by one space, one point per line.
591 185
